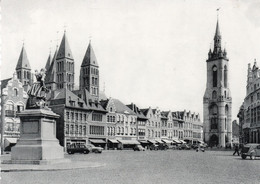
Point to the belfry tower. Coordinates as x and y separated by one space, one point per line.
89 73
65 65
217 101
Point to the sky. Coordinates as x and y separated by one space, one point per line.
150 52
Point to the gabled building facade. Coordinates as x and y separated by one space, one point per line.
15 99
249 113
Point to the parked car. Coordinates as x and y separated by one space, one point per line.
77 148
154 147
139 148
94 149
172 146
163 146
185 147
251 150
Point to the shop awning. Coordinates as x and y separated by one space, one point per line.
159 141
129 141
113 140
11 140
182 141
177 141
152 141
98 141
143 141
166 141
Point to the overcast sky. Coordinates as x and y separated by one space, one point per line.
150 52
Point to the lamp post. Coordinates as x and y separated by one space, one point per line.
2 119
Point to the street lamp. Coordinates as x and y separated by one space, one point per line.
3 94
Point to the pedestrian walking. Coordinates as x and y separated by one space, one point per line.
236 149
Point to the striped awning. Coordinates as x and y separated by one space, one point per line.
129 141
166 141
177 141
152 141
143 141
159 141
113 140
98 141
182 141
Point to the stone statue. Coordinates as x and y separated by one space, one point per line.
37 92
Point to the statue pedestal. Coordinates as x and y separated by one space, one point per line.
38 143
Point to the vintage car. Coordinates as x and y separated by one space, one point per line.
139 148
77 148
251 150
154 147
94 149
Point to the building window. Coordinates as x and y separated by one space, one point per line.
215 76
84 130
67 129
225 76
68 115
96 117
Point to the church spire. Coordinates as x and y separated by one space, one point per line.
217 39
89 58
64 49
48 64
217 52
23 61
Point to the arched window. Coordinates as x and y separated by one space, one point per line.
225 123
15 92
226 110
225 76
214 109
214 95
215 76
119 130
225 94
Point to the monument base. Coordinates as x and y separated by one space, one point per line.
37 162
38 143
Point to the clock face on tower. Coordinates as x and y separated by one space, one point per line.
214 68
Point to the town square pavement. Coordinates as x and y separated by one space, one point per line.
148 167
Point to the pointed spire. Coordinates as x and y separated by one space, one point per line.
64 49
48 64
23 61
89 58
217 33
52 70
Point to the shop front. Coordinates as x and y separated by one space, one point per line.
127 144
112 144
144 143
98 142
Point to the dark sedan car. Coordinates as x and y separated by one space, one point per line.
80 148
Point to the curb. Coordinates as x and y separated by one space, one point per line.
52 167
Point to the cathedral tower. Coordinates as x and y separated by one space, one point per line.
89 73
65 65
23 69
217 101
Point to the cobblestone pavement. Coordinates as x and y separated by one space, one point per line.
171 166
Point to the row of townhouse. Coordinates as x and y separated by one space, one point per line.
87 116
249 112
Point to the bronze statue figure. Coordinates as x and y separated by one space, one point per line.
37 92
